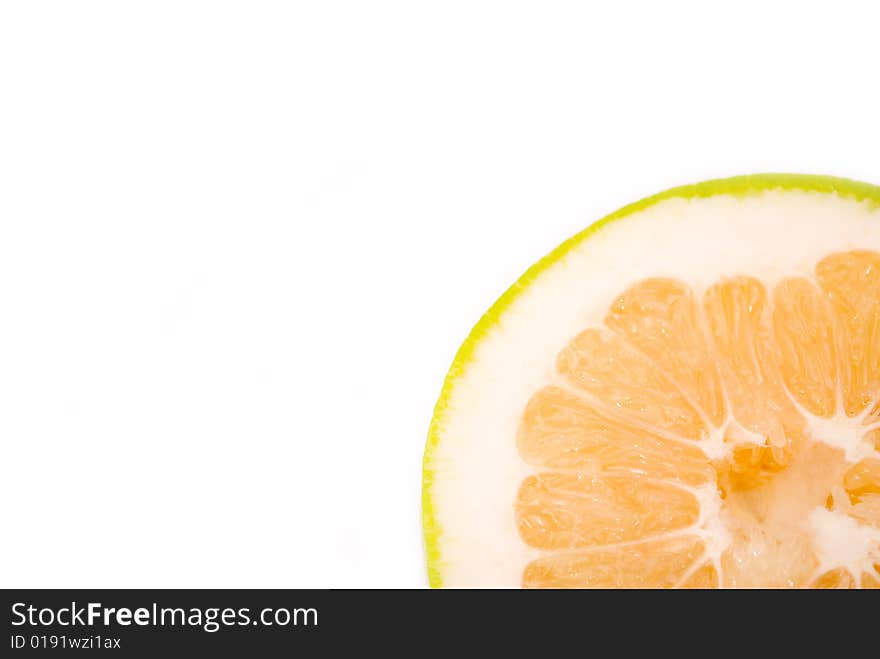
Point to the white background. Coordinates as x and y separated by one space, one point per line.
240 243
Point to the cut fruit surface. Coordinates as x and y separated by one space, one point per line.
685 395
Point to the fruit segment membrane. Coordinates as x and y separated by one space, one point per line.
728 437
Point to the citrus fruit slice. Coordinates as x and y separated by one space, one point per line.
686 394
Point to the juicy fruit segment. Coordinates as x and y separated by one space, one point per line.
561 431
851 282
564 510
705 576
688 441
605 366
648 564
660 317
839 578
862 484
736 310
805 340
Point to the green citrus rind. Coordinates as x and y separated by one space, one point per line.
739 186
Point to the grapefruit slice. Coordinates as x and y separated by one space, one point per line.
686 394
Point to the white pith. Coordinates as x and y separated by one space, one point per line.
476 464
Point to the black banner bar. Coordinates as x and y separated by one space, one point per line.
126 623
